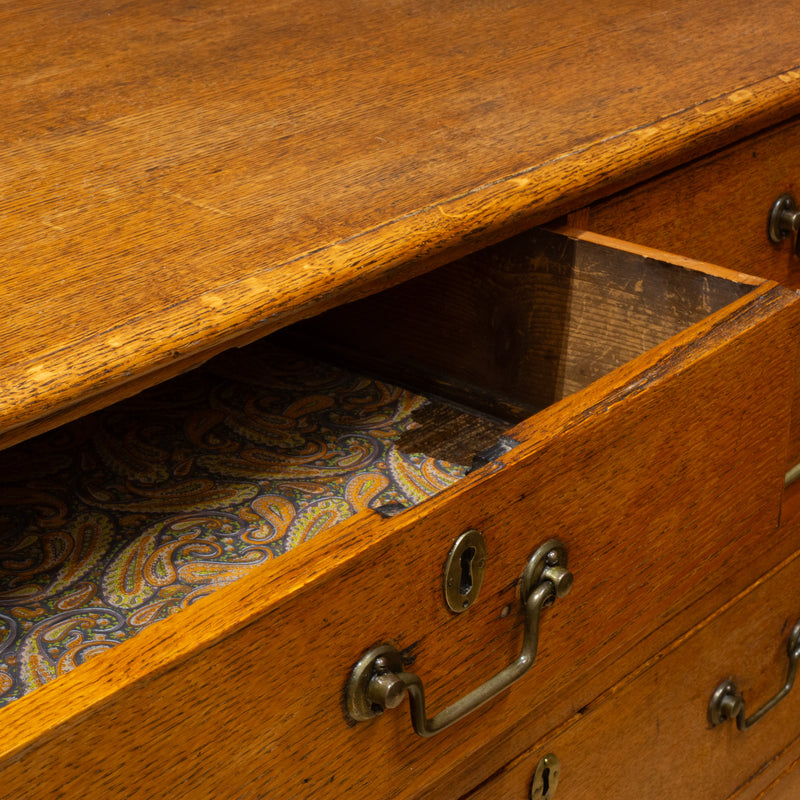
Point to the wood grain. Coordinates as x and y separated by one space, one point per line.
787 787
715 208
762 782
179 175
520 325
661 711
656 449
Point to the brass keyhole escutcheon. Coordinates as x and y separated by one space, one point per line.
545 779
464 571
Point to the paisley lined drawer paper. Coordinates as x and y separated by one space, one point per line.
126 516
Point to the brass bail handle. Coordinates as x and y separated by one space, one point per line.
784 220
378 681
727 702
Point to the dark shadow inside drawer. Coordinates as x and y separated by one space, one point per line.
515 327
129 515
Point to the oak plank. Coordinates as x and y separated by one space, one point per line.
519 325
787 787
177 176
661 710
714 208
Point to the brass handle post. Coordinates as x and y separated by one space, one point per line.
784 220
727 702
377 680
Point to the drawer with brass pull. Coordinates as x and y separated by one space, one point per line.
670 710
716 208
732 208
640 458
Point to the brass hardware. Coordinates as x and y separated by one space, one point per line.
552 566
464 571
784 219
373 686
792 475
545 779
727 702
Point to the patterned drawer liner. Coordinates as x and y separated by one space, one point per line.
126 516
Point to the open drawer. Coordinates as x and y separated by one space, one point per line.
645 404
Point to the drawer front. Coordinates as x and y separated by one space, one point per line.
662 479
716 208
787 787
649 737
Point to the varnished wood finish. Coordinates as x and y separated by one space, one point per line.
764 782
520 325
179 176
787 787
716 208
654 448
660 711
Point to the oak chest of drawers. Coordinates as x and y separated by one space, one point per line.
425 196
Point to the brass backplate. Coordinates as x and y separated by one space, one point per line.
545 779
464 571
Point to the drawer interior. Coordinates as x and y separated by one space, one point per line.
514 328
127 516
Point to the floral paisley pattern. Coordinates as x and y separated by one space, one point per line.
127 516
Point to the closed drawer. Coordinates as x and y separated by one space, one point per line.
650 737
787 786
715 208
656 458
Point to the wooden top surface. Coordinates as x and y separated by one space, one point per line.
180 176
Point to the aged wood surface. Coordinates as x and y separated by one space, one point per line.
661 484
716 208
176 175
517 326
556 707
787 787
661 711
764 782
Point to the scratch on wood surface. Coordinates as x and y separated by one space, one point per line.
51 225
40 374
198 204
213 301
648 132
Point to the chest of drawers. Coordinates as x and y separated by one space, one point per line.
186 179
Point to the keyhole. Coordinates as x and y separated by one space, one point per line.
464 571
465 585
546 782
545 779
